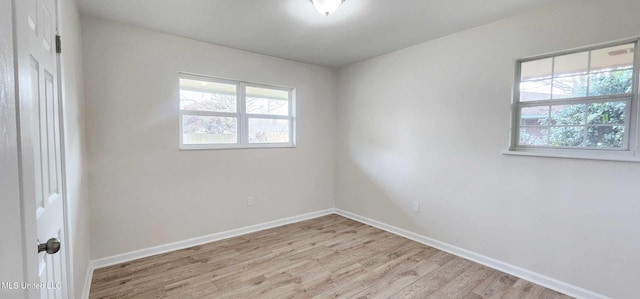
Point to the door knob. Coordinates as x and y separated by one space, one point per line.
52 246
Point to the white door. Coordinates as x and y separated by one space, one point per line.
41 160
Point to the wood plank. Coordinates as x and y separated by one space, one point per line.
433 281
464 283
330 256
495 286
523 289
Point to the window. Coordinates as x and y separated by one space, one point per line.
576 101
217 113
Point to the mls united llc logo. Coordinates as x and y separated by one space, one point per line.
30 285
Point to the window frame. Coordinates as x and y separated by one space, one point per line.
632 111
242 117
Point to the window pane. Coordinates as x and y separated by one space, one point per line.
535 90
570 87
605 136
267 101
209 129
608 83
566 136
568 114
613 58
607 113
536 69
207 96
263 130
571 65
536 136
534 116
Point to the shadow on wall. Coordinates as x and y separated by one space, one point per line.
382 178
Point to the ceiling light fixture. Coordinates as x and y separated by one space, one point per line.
326 7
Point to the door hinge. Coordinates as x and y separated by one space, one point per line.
58 44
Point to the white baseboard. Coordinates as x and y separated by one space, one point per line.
534 277
142 253
87 281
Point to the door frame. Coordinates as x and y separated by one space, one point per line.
25 163
63 164
11 252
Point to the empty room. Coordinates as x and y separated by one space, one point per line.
320 149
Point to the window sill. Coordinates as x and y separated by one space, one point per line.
621 157
236 147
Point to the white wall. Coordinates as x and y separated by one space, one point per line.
428 123
75 144
144 191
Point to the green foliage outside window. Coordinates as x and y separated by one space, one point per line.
567 121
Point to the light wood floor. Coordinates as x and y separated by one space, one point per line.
326 257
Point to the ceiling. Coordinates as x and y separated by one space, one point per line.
293 29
